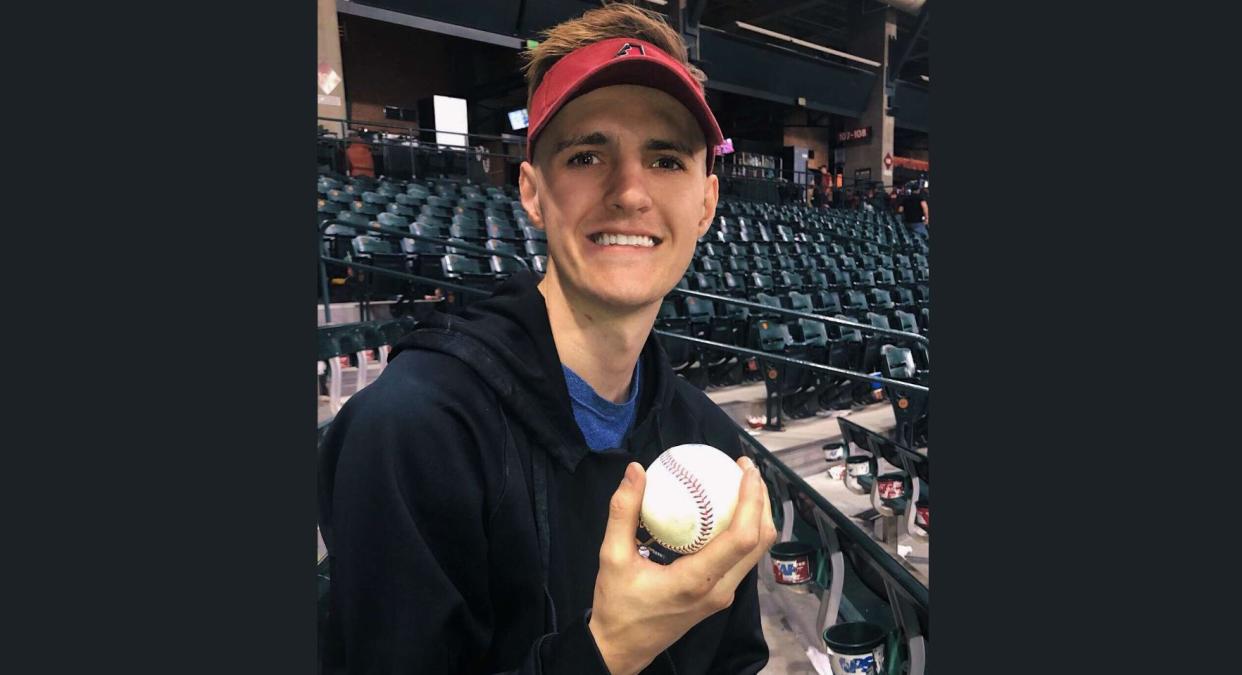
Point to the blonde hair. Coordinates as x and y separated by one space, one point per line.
613 20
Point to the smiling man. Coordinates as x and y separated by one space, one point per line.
480 500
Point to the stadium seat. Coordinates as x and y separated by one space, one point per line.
800 302
536 247
826 302
466 219
355 220
503 267
735 285
436 211
881 300
469 233
863 279
384 254
501 247
497 230
392 220
412 201
404 211
855 304
789 281
838 280
682 355
761 283
464 269
328 210
707 283
368 208
737 265
788 386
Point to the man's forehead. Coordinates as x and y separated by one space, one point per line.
648 112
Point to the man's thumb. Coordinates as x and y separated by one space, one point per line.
623 512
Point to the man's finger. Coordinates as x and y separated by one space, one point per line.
767 536
623 511
732 545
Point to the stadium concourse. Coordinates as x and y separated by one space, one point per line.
805 313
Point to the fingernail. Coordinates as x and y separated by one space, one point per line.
748 462
629 473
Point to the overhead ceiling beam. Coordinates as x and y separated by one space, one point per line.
906 47
760 11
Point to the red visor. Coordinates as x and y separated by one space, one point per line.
619 61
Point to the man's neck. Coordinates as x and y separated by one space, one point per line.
600 345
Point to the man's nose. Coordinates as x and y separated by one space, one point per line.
627 189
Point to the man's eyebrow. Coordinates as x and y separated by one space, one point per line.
593 138
663 144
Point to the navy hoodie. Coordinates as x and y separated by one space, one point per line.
463 512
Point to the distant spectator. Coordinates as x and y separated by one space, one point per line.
914 211
868 200
358 156
876 198
821 190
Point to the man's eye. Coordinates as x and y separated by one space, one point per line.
671 163
583 159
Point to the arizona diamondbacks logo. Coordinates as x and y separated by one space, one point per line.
625 50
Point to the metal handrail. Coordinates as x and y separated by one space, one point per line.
914 337
422 146
405 275
903 581
848 374
900 448
416 130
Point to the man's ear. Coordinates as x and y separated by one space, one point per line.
711 196
529 191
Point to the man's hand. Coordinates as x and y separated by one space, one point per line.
641 607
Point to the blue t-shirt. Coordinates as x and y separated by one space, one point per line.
603 423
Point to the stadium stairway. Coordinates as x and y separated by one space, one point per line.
800 445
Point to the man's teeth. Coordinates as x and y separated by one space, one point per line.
623 240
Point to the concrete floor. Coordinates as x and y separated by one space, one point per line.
787 617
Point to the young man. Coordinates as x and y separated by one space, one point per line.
469 497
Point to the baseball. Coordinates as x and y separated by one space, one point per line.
690 496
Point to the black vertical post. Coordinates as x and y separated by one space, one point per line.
327 299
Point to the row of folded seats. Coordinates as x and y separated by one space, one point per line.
741 228
748 277
490 219
429 259
793 390
882 228
738 235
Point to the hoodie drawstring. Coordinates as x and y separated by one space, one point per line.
539 467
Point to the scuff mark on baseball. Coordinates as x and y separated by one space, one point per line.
690 496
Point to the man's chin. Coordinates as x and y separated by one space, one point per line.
627 299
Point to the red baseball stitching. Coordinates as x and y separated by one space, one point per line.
706 518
